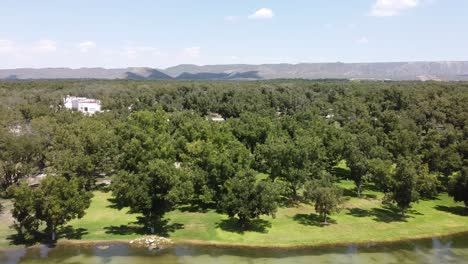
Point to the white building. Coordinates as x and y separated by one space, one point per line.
216 117
82 104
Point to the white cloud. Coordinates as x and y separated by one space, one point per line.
362 40
231 18
386 8
6 46
192 52
46 45
86 46
262 13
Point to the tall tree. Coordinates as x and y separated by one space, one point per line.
458 187
152 191
292 160
247 199
212 162
55 202
148 181
251 129
19 156
24 211
359 154
404 189
325 195
428 184
60 201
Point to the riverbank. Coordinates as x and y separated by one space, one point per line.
361 221
215 244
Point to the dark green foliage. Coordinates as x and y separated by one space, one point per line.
20 154
248 199
289 129
324 194
148 181
404 188
151 191
458 187
251 129
380 172
292 155
428 185
55 202
214 161
24 211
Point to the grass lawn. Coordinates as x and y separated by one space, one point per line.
360 220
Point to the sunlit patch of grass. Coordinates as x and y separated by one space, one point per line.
360 220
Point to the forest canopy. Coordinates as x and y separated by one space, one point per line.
155 141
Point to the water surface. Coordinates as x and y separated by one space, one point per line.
436 250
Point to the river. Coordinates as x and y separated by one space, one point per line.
452 249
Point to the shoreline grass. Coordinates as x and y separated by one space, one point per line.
361 221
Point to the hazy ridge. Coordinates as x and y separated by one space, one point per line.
441 70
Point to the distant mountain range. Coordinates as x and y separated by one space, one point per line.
442 70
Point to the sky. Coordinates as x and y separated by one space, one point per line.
160 34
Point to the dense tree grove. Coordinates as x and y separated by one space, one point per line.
281 141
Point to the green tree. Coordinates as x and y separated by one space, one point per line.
212 162
86 148
60 201
458 187
404 189
19 156
293 161
24 211
248 199
148 181
361 156
380 172
251 129
326 196
153 191
427 183
55 202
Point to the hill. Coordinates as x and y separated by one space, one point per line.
443 71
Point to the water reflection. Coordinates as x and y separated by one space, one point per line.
435 250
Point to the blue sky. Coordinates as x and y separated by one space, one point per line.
153 33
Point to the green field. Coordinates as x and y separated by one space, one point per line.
360 220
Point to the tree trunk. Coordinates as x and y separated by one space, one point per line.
53 233
358 190
325 218
294 192
242 222
403 212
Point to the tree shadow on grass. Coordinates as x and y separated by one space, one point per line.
136 228
114 204
193 208
387 214
358 212
254 225
17 240
353 193
312 220
456 210
341 172
70 232
123 230
39 237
